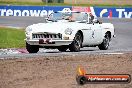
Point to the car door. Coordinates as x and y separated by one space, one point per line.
87 35
96 37
92 34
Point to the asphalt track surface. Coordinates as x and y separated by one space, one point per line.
121 44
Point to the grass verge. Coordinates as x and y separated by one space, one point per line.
11 38
59 4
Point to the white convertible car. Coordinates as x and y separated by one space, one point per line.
68 30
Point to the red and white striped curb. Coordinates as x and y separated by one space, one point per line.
12 51
22 50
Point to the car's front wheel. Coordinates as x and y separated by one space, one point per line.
76 44
105 44
32 48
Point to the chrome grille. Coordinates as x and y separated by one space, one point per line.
46 35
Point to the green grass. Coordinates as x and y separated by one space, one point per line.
11 38
58 4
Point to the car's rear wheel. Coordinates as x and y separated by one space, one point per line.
76 44
62 48
105 44
32 48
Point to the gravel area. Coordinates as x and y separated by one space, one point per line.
60 71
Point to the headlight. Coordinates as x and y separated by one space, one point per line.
28 30
68 31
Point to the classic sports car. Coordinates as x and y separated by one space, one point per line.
68 30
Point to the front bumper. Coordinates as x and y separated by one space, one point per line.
49 42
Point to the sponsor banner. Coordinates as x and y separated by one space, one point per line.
41 11
84 9
37 11
113 12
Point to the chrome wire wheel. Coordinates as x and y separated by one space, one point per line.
106 41
105 44
76 44
78 41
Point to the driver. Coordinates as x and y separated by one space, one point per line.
93 19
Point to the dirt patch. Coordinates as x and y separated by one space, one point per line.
60 72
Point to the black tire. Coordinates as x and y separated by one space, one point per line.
76 44
62 48
105 44
32 48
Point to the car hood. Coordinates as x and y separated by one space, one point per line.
54 27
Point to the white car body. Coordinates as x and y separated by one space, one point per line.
92 33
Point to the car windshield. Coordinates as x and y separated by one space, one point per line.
81 17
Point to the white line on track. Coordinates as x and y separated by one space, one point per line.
113 53
12 27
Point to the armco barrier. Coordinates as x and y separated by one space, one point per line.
46 10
